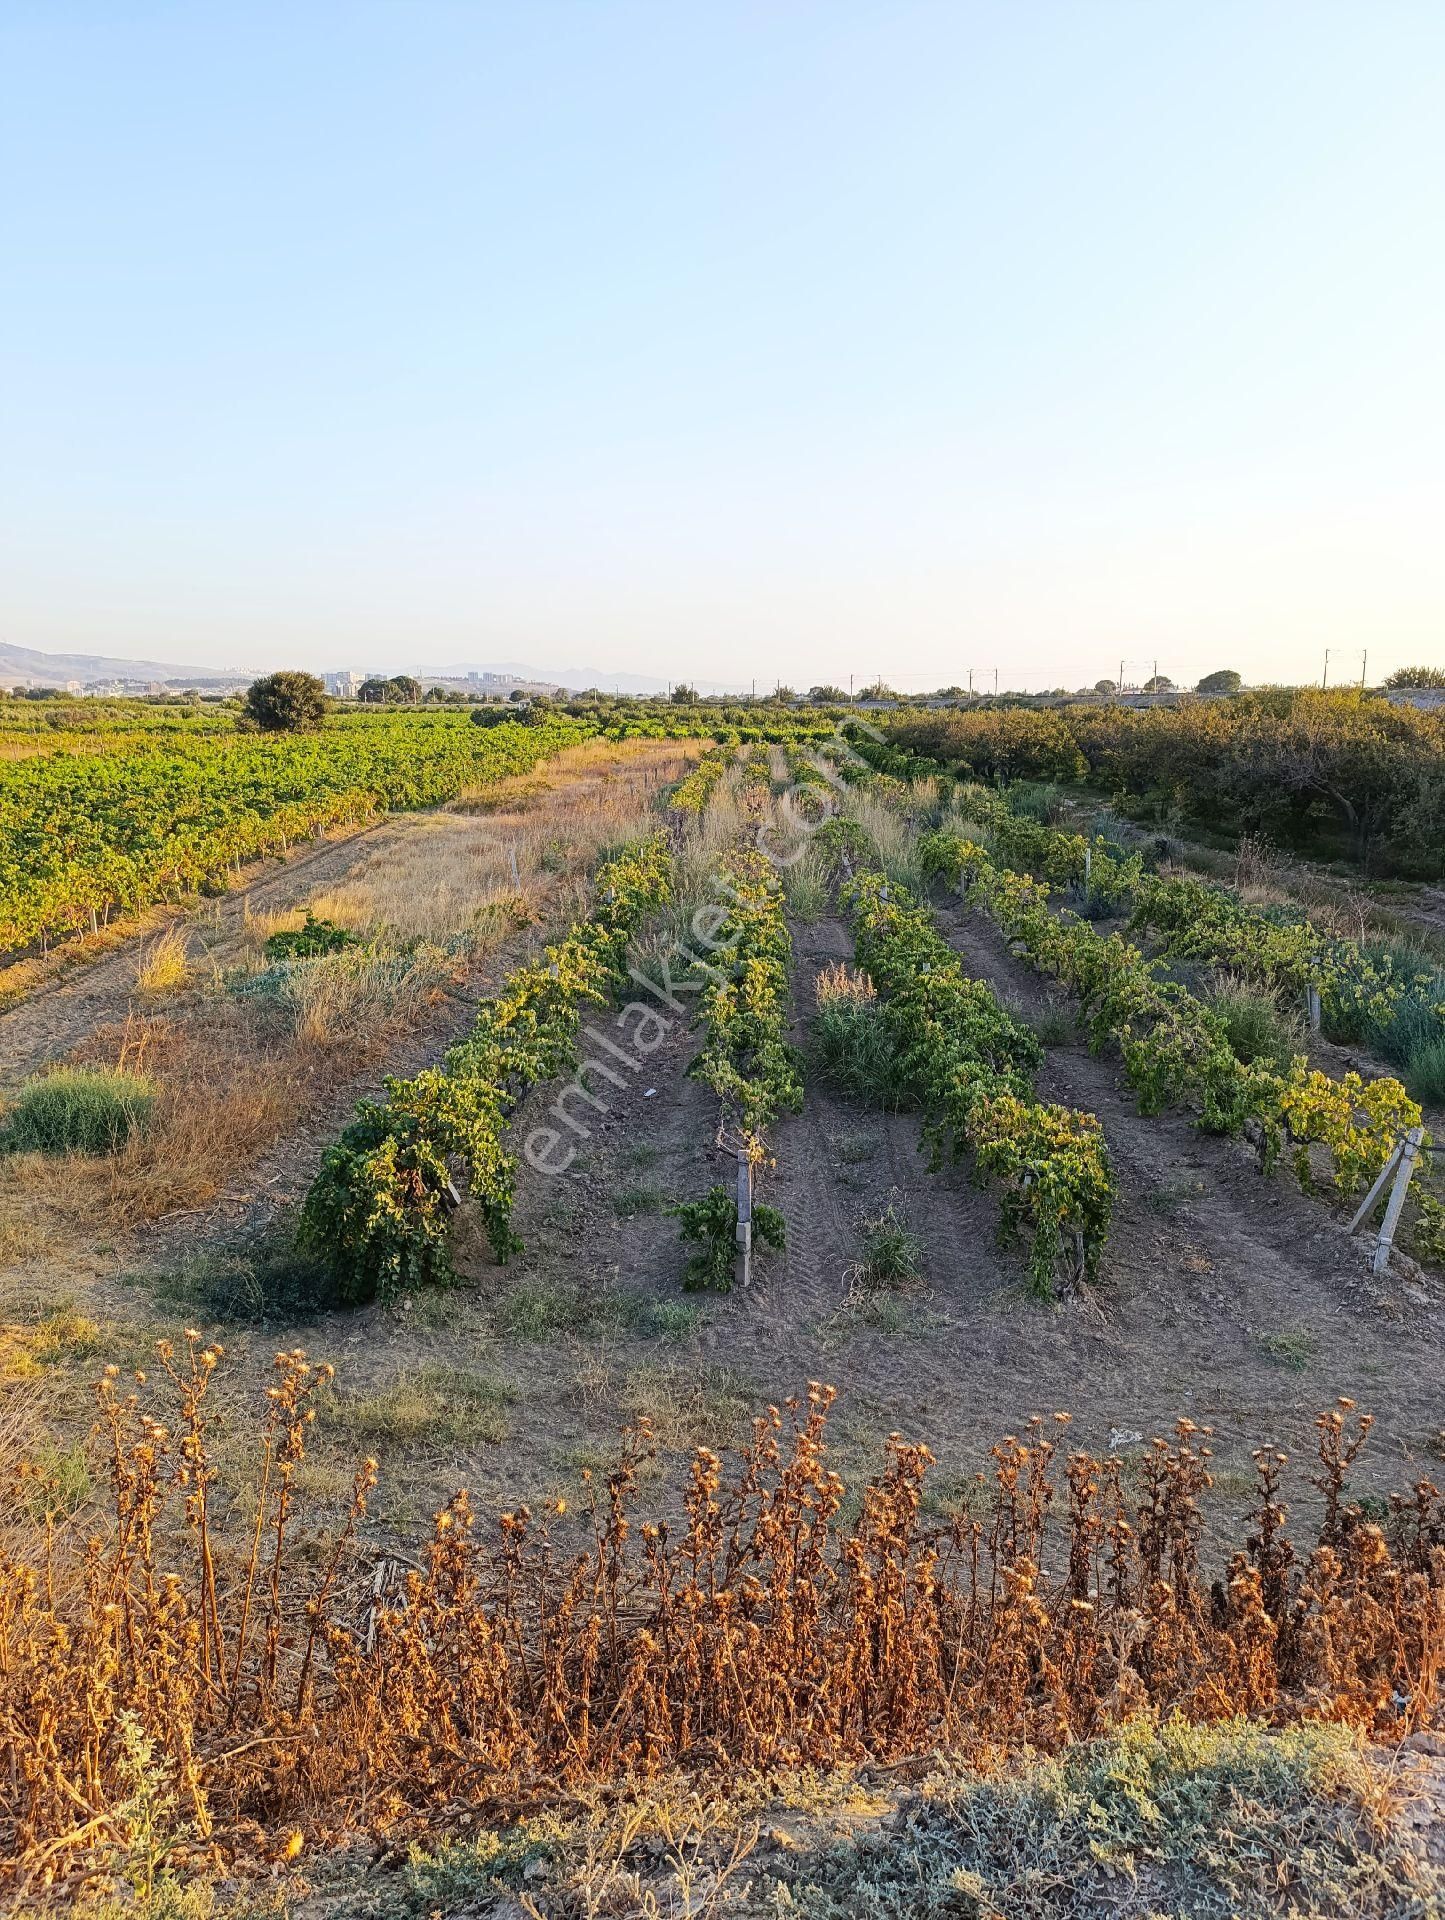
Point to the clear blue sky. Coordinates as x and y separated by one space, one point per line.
718 340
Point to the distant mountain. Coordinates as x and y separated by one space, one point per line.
24 666
21 666
578 678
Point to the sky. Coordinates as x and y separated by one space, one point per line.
779 341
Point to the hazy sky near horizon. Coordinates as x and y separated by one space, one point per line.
791 340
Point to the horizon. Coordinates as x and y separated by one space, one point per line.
729 345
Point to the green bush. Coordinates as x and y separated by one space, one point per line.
711 1225
308 942
79 1110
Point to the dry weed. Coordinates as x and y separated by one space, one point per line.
164 965
288 1681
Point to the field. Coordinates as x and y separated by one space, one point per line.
1060 1455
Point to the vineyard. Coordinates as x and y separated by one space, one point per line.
109 821
887 1308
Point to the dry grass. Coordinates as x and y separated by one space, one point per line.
891 833
164 965
21 1239
235 1066
840 982
451 880
218 1102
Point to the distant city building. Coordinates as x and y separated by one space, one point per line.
345 686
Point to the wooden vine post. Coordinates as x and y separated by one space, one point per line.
745 1217
1401 1164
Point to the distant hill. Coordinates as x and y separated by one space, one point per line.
23 665
578 678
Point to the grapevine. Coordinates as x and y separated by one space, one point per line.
1194 919
377 1209
971 1065
745 1058
88 834
1174 1048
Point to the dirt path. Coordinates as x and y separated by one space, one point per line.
58 1014
1228 1296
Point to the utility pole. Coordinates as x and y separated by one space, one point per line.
1121 676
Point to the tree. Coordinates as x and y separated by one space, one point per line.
401 686
782 696
373 689
286 702
683 695
1106 686
878 691
1159 683
1226 680
827 696
1416 677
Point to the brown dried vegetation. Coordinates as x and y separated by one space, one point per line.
295 1681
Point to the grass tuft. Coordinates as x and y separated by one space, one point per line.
891 1255
436 1404
79 1110
163 966
853 1038
1256 1027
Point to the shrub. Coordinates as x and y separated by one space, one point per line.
308 941
79 1110
711 1225
1416 677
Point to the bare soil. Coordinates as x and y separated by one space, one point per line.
1225 1297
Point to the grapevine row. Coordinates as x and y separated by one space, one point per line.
1174 1048
746 1058
377 1209
1193 918
970 1064
696 789
85 835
